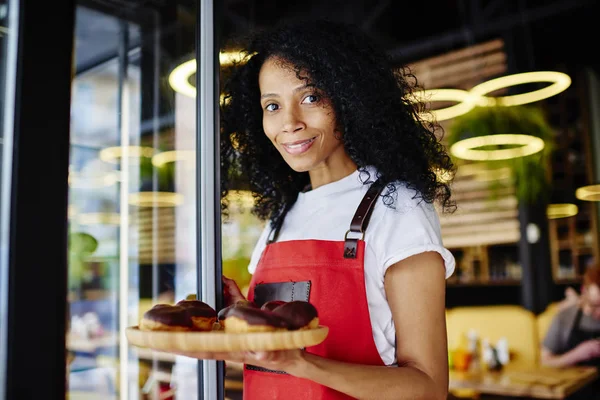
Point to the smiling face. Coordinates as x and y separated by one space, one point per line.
300 122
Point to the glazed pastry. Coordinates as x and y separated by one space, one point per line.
271 305
186 315
239 318
164 317
202 315
240 303
299 314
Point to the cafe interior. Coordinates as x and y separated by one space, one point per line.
525 230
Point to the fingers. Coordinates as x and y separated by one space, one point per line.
232 291
262 355
274 357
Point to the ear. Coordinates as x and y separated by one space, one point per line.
338 132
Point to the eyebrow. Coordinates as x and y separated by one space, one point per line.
296 90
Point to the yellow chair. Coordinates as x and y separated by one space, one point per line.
514 323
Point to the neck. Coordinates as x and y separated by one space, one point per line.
331 171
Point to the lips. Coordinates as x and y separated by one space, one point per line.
298 147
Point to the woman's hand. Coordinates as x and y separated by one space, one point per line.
289 361
231 291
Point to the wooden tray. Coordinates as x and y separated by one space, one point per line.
219 341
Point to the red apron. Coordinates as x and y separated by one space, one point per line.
337 289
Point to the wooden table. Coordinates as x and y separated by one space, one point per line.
540 383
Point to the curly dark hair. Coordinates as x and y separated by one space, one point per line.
370 97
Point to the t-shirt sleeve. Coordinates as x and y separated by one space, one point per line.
259 248
409 230
553 340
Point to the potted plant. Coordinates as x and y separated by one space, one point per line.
530 174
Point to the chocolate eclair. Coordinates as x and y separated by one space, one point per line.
202 315
241 318
272 304
186 315
298 314
164 317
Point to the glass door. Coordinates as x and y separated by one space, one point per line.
8 65
133 198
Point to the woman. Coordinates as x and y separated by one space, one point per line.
323 129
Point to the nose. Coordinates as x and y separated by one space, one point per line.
292 121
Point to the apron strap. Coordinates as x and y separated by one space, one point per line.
272 238
571 339
359 223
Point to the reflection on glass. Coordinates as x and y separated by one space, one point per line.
241 230
132 204
8 61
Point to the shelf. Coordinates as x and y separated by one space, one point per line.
568 281
564 244
578 250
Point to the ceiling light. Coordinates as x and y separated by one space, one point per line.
114 154
561 210
101 218
155 199
588 193
559 80
526 145
466 102
179 78
166 157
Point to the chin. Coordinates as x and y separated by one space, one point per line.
300 165
300 168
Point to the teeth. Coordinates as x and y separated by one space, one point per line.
295 146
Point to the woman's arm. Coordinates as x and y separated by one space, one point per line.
415 289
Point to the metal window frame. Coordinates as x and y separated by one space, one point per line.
208 225
10 72
37 257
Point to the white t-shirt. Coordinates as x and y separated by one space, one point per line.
393 234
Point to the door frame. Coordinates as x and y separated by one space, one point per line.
36 261
211 374
37 233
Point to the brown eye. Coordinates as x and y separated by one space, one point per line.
312 98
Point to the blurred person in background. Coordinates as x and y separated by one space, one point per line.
574 334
